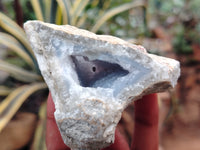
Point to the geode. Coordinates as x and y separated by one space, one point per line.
92 78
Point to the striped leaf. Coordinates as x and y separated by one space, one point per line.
12 44
10 105
54 7
4 91
78 9
12 28
38 9
47 11
114 11
58 18
74 7
82 20
19 73
65 6
39 138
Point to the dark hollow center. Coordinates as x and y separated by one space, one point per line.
94 69
96 73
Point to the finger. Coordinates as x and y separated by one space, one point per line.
146 124
53 138
119 144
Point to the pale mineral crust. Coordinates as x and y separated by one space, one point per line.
92 78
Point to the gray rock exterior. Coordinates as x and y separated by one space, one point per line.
92 78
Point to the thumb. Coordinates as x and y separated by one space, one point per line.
53 138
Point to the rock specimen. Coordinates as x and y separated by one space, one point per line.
92 78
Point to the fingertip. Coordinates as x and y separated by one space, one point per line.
149 98
146 110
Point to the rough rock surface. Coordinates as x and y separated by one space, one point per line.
92 78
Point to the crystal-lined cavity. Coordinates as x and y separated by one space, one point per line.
96 73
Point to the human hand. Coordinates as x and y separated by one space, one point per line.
145 135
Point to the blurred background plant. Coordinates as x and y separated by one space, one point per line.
170 28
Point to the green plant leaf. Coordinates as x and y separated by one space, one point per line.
38 9
81 21
58 16
79 6
12 28
39 137
11 43
4 91
10 105
65 6
114 11
54 7
19 73
47 6
74 7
